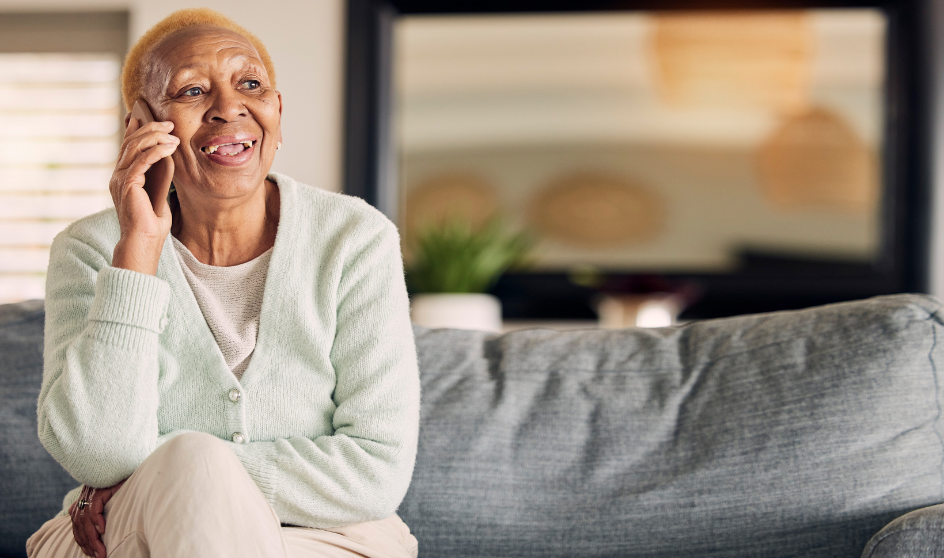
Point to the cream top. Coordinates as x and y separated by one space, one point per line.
231 301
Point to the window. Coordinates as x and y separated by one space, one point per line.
60 112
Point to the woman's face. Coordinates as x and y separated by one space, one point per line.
211 83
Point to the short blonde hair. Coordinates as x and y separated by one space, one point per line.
132 75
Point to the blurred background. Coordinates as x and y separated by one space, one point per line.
61 111
615 167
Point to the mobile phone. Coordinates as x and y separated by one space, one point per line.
141 111
157 179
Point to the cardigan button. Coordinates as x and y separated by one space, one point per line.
239 438
234 395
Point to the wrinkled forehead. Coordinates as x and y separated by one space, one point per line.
191 45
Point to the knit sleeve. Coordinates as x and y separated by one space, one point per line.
97 409
362 471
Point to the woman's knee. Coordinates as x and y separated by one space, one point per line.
194 454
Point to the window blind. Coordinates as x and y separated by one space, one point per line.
60 116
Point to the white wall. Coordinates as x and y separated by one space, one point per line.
306 41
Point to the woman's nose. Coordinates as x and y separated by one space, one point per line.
227 106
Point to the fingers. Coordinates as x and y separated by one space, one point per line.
149 157
97 509
143 138
82 534
136 130
98 548
98 521
88 521
133 176
149 135
93 540
144 162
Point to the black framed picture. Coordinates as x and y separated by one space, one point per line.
752 156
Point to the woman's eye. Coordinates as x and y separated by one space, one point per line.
253 84
193 92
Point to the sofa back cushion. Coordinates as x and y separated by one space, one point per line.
32 484
786 434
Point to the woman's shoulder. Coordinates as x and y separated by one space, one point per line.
326 210
99 231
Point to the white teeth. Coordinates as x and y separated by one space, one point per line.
248 144
212 148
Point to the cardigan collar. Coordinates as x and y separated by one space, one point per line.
197 336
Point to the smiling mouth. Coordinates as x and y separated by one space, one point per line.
228 148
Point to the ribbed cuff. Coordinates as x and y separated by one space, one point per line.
129 338
261 462
127 297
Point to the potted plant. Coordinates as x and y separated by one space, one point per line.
452 267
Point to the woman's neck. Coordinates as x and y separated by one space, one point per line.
229 232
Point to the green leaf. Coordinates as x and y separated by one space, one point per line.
455 258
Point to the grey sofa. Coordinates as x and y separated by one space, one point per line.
809 433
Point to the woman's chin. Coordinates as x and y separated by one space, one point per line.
217 181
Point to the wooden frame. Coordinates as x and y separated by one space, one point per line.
370 163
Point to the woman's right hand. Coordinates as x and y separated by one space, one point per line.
144 224
88 522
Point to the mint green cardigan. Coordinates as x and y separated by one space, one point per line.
328 409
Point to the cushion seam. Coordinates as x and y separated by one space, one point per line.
937 401
886 536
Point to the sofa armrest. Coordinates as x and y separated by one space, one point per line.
918 534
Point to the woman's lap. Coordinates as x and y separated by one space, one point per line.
193 496
54 540
387 538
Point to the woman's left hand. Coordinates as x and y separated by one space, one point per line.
88 522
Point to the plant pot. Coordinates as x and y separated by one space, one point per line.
459 311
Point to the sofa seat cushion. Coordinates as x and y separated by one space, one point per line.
786 434
919 533
33 483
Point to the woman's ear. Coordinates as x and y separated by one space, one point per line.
280 118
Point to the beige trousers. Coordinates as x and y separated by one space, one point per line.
192 497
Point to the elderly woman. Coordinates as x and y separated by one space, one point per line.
230 369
